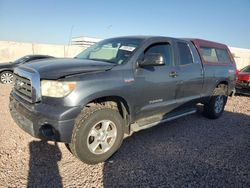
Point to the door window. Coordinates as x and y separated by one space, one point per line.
185 54
163 49
215 55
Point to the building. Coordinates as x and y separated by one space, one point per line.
241 56
84 41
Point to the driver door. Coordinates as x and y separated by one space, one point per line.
155 85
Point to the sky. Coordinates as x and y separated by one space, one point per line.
56 21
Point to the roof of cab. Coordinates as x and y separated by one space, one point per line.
207 43
197 42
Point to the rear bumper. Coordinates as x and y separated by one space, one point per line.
42 120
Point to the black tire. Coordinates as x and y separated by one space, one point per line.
216 105
86 122
67 145
6 77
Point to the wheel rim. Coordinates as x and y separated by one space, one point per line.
7 78
219 103
102 137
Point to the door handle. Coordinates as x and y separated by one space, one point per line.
173 74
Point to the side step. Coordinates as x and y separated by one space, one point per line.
140 125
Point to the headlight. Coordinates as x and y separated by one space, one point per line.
51 88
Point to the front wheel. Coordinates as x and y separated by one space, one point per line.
6 77
216 105
97 134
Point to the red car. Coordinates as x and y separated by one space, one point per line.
243 81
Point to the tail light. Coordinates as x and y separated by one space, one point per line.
237 74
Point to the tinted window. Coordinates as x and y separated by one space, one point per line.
246 69
163 49
215 55
116 50
209 54
223 56
185 54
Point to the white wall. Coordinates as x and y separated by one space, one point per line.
10 51
241 56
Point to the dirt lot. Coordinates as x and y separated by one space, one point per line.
189 152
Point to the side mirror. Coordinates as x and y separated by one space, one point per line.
152 59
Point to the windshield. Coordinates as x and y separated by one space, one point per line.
246 69
117 50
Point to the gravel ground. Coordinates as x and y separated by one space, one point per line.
189 152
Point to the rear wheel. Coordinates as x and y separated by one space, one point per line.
97 134
216 105
6 77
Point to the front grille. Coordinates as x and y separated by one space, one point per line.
23 87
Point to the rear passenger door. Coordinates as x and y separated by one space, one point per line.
190 73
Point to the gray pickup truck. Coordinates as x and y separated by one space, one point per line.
119 86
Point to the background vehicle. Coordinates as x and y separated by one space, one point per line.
119 86
243 81
6 69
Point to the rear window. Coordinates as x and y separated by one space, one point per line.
215 55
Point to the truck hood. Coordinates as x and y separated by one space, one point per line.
59 68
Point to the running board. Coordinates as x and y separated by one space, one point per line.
135 127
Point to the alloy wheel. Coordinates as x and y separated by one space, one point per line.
101 137
7 78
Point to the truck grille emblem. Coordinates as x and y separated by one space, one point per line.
19 84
